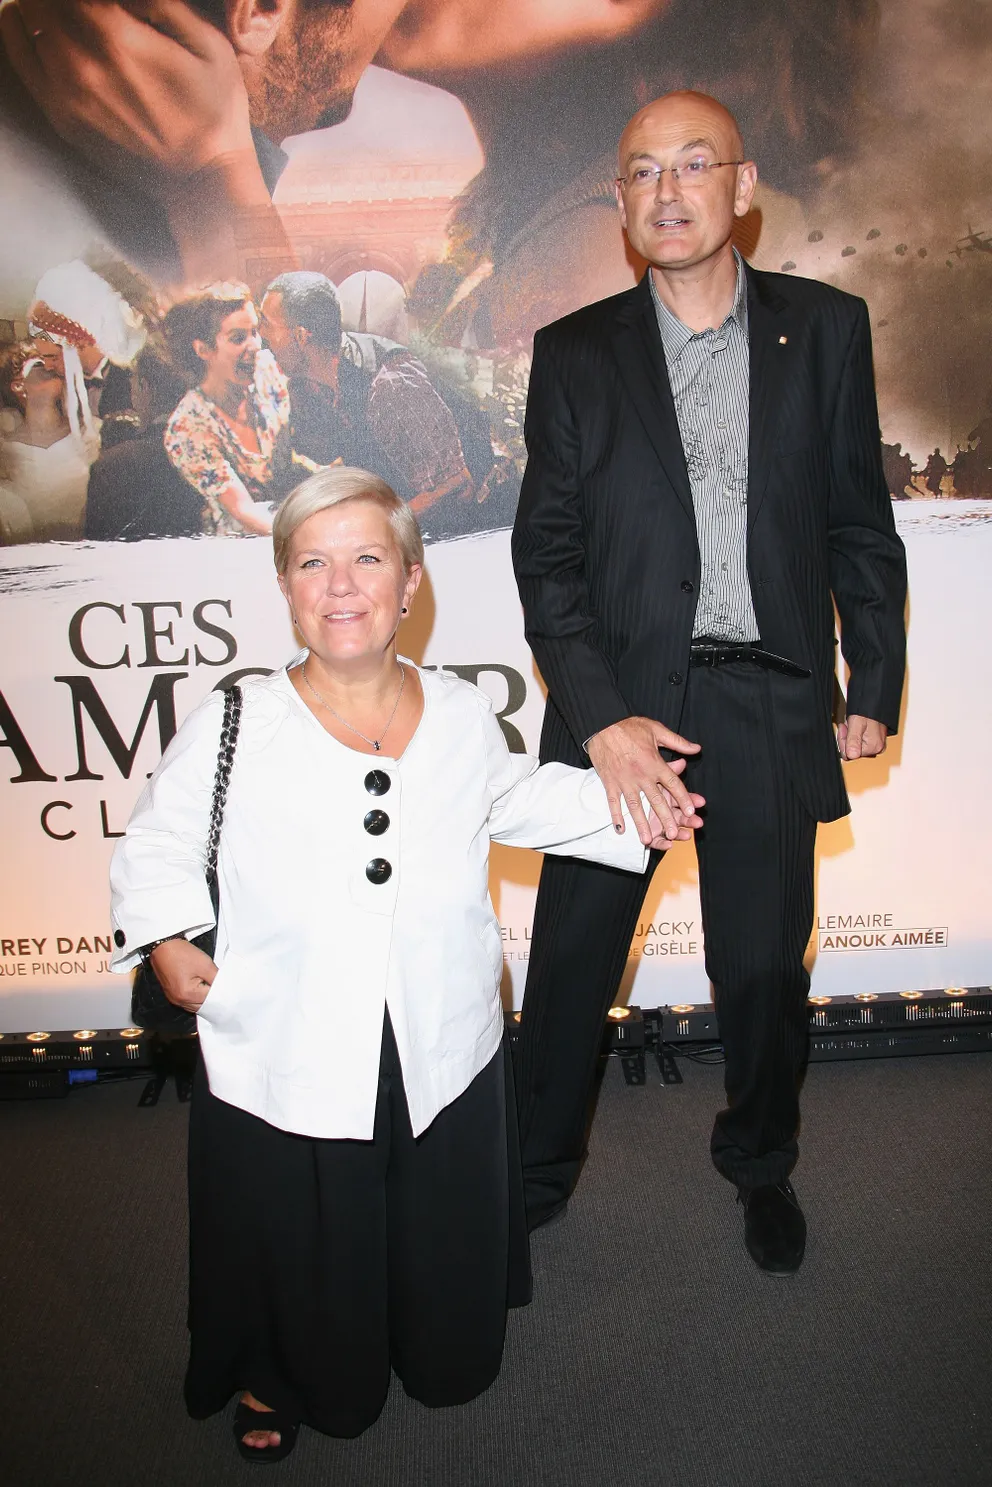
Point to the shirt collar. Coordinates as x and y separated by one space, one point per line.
675 335
272 161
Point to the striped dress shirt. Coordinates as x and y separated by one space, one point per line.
709 375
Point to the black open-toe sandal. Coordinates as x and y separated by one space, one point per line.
245 1419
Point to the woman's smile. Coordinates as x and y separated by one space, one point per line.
346 574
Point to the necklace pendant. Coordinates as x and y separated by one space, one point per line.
375 745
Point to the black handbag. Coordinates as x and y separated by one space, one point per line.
150 1007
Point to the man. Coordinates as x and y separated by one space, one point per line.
704 473
897 467
934 471
135 490
361 399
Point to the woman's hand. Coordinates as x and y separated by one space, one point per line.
153 95
255 516
184 971
154 83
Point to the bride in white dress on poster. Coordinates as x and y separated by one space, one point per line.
44 462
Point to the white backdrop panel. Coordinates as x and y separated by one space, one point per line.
902 885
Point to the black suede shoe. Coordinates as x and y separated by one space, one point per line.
774 1227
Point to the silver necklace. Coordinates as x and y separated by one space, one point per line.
375 742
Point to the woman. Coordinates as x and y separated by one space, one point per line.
353 1200
229 437
44 463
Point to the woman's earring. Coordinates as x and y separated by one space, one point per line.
404 610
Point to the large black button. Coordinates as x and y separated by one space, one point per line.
377 782
378 870
376 822
676 678
686 586
119 938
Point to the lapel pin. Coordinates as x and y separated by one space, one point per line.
783 340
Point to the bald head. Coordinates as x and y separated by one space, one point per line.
683 120
682 182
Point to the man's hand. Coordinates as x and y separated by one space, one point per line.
185 973
459 484
861 738
626 758
151 80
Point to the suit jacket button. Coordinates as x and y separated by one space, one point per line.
119 938
376 822
377 782
676 678
378 870
686 586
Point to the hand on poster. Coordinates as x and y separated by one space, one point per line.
154 81
185 973
861 738
255 517
459 485
153 96
626 758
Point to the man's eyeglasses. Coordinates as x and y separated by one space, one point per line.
647 178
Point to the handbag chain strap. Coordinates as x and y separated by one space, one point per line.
225 760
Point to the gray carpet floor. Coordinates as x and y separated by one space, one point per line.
654 1351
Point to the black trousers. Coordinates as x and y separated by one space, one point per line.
317 1266
755 856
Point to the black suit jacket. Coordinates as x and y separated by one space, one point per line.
605 549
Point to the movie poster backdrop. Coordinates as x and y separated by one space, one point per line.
443 172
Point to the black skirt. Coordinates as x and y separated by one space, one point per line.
317 1266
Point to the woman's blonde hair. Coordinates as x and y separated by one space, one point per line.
332 487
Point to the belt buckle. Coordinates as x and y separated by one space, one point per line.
705 654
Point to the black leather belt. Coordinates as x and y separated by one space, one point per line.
705 652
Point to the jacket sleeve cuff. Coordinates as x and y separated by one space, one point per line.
863 701
189 914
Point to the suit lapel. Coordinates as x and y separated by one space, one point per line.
773 343
641 358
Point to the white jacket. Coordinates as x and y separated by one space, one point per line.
309 950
